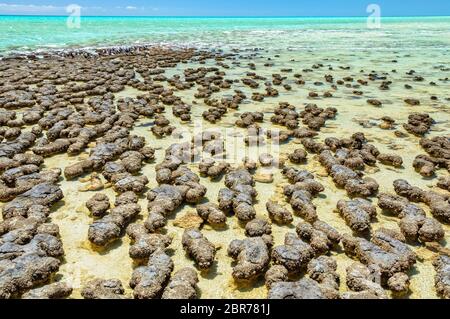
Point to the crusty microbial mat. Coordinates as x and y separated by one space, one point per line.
397 97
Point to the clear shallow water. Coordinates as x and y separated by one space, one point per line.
22 33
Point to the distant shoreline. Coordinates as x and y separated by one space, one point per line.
225 17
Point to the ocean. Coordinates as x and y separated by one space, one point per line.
30 33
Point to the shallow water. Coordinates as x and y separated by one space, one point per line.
47 32
419 44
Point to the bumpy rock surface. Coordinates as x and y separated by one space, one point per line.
438 204
351 156
30 250
321 237
278 213
414 224
239 195
301 192
442 278
323 270
294 255
57 290
365 282
98 205
199 248
276 273
150 280
183 285
386 251
303 289
144 244
252 257
103 289
357 213
212 214
109 228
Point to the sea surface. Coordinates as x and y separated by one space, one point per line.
24 33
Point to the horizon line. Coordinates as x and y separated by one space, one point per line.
219 16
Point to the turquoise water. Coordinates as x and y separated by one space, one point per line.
21 33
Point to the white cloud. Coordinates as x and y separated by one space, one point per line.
28 8
31 9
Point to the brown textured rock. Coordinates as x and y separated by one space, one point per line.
57 290
252 256
183 285
103 289
278 214
199 248
358 214
98 205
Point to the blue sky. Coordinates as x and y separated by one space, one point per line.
227 7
